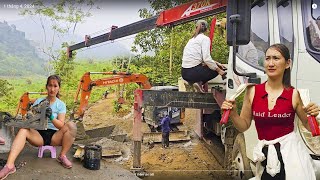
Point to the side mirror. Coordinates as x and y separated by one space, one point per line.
239 12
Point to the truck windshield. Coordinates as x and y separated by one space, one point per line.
311 22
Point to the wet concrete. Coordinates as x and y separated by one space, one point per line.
50 169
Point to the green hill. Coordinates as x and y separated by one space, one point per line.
17 56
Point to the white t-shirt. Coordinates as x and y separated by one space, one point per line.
197 51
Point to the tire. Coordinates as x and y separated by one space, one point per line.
241 163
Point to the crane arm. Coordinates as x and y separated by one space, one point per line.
187 12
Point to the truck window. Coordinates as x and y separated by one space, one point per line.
286 25
253 52
311 23
315 9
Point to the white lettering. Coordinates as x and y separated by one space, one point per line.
284 115
111 81
259 114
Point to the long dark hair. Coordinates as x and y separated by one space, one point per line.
58 79
286 79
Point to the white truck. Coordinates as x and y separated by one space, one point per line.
295 23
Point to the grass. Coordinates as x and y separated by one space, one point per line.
37 83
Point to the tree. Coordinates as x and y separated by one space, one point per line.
63 17
5 88
168 43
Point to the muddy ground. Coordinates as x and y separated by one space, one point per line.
183 160
47 168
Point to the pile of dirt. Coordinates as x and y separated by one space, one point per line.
101 115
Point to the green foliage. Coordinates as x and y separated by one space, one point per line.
16 88
5 88
64 66
116 106
167 40
239 102
62 15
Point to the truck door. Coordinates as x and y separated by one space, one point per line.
308 60
250 57
308 64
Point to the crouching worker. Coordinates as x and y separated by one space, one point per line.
197 64
165 127
58 133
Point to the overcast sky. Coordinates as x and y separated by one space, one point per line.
110 12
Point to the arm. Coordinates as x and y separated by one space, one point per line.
242 122
302 111
206 56
59 121
162 121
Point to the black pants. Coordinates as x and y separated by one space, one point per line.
282 174
198 73
165 139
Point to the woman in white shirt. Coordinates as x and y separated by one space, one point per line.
197 65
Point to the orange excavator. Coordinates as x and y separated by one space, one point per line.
25 102
86 84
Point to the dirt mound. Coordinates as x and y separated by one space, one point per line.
101 114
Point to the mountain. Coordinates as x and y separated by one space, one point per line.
34 32
17 54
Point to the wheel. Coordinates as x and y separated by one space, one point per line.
241 163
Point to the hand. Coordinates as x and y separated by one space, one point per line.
312 109
221 66
48 112
221 72
229 105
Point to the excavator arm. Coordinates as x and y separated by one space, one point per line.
25 102
86 84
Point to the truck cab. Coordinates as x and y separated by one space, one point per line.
295 23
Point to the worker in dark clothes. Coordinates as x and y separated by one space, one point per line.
165 124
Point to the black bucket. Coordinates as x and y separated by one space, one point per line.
92 157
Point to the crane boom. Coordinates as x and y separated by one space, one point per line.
177 15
